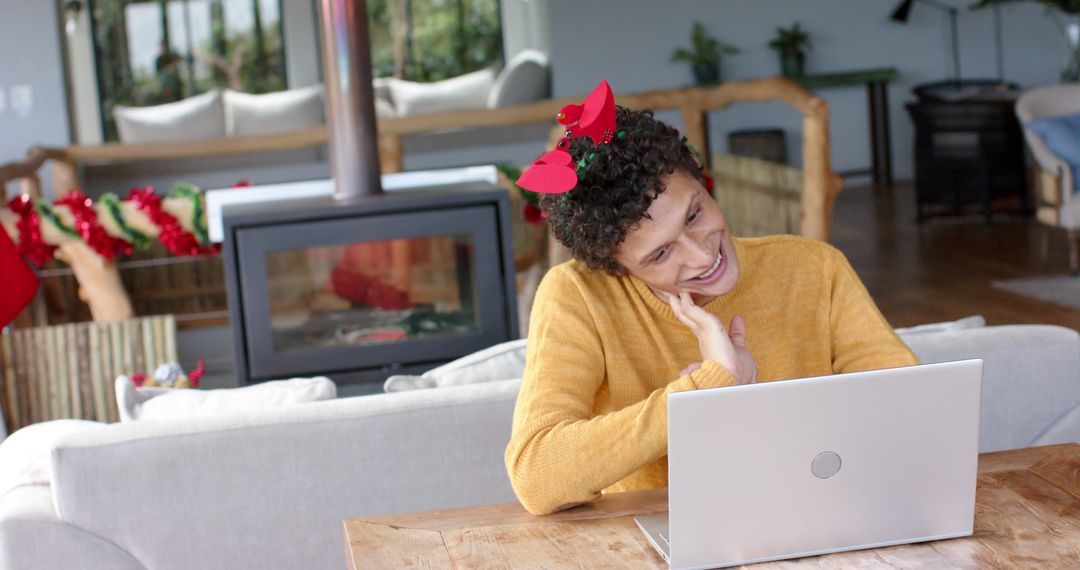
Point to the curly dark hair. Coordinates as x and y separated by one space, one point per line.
617 188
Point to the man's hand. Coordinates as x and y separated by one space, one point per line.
715 342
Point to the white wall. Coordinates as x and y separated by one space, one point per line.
31 59
629 43
300 26
526 25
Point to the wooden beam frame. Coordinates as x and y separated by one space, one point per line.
821 184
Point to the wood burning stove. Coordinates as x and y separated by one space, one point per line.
365 283
390 283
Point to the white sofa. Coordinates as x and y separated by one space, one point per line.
213 115
218 114
269 490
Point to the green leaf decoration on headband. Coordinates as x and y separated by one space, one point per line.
694 151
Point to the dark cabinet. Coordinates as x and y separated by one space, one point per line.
966 152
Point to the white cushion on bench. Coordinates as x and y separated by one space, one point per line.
272 113
196 118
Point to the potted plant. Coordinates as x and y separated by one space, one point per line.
1066 14
791 43
704 57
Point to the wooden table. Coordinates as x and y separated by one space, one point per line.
1027 515
877 101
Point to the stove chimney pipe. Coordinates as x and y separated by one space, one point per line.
350 99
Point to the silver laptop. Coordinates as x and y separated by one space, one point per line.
812 466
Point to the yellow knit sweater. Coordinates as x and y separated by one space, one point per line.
604 352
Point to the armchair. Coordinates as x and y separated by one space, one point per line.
1056 206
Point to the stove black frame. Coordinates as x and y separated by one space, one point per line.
252 230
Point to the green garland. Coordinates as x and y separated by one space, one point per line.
46 212
112 205
192 193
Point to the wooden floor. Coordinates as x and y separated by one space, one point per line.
943 270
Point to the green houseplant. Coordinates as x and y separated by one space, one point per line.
791 43
704 56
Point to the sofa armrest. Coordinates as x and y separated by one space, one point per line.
1031 378
33 538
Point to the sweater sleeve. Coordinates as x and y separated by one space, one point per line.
861 337
560 454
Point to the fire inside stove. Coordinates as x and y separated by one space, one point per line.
370 293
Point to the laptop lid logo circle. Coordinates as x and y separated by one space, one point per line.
825 465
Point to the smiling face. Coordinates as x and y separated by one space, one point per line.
683 244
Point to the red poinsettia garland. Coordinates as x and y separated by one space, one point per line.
87 226
173 236
32 245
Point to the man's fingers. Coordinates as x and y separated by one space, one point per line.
738 331
676 308
699 316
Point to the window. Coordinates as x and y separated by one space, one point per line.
156 51
429 40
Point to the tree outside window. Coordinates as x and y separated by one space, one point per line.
429 40
150 52
158 51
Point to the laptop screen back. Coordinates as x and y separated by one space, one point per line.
782 469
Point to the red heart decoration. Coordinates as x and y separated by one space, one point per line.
570 114
550 174
555 158
598 115
554 173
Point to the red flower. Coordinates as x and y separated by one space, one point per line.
241 184
138 379
196 374
534 215
710 184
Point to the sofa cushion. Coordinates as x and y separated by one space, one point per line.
271 113
164 403
1062 136
384 109
196 118
468 91
524 80
1030 378
380 86
971 322
503 361
25 456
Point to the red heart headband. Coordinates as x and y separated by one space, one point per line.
555 172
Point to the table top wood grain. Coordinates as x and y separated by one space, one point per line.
1027 515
